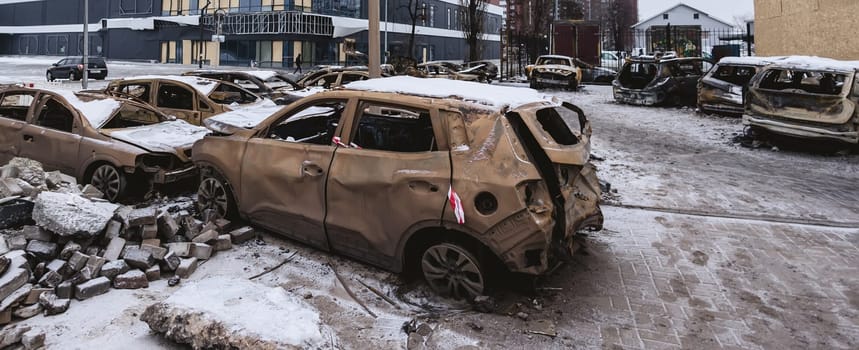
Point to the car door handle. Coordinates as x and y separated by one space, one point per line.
422 186
311 169
28 138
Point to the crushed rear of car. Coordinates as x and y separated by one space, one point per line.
805 97
653 81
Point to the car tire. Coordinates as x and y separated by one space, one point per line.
72 76
452 270
215 193
49 76
534 85
109 180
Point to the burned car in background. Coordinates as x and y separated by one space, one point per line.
324 82
489 69
443 178
453 71
268 84
722 90
659 81
191 99
112 143
594 74
554 70
805 97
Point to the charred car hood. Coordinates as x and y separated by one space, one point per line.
167 137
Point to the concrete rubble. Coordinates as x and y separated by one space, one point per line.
78 246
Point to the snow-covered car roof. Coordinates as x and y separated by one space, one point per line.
555 56
263 74
489 95
751 60
245 117
97 111
162 137
817 63
202 85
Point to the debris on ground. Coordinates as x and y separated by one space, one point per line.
203 313
66 242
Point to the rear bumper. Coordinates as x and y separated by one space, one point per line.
638 97
802 131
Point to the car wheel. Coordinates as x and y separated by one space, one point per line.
214 193
452 270
49 77
72 76
109 180
533 85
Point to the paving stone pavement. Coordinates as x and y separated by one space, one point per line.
677 281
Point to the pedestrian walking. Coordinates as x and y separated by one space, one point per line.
297 64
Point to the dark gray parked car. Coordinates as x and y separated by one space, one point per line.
72 68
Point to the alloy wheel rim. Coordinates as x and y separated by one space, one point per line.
106 179
449 270
49 76
212 195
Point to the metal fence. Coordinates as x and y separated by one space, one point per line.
519 50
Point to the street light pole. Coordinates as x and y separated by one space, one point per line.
200 45
374 63
386 32
85 77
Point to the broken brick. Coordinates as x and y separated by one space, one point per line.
142 216
242 234
52 304
114 248
114 268
205 236
223 242
139 258
134 279
201 251
92 288
186 267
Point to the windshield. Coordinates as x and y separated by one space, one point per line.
229 94
542 61
130 115
825 83
277 82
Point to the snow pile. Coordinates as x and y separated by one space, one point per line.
224 312
96 111
69 214
263 74
246 117
751 60
162 137
491 95
817 63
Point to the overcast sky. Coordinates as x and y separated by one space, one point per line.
721 9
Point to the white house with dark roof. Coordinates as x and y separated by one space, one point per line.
691 27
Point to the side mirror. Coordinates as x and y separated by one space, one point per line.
55 64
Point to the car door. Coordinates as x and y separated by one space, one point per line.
14 109
52 136
393 176
177 100
285 169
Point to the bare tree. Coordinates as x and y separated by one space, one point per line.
538 26
613 17
570 9
415 11
472 21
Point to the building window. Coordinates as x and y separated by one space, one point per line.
664 16
696 16
448 19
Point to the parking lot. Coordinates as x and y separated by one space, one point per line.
706 245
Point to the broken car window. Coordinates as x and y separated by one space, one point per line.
394 128
637 75
315 123
228 94
14 105
130 115
825 83
174 96
55 115
139 91
562 124
737 75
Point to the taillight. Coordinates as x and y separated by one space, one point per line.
80 67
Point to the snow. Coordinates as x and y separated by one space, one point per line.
202 85
818 63
490 95
751 60
244 306
96 111
162 137
246 117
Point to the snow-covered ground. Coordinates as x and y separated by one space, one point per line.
715 259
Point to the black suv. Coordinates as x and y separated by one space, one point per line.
72 68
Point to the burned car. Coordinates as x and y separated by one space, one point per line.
654 81
443 178
805 97
112 143
191 99
554 70
448 70
268 84
722 90
489 69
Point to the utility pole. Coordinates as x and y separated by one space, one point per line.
386 32
200 45
85 78
374 63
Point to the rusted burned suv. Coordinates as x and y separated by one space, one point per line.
806 97
398 173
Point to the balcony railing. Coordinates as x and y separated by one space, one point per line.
276 22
